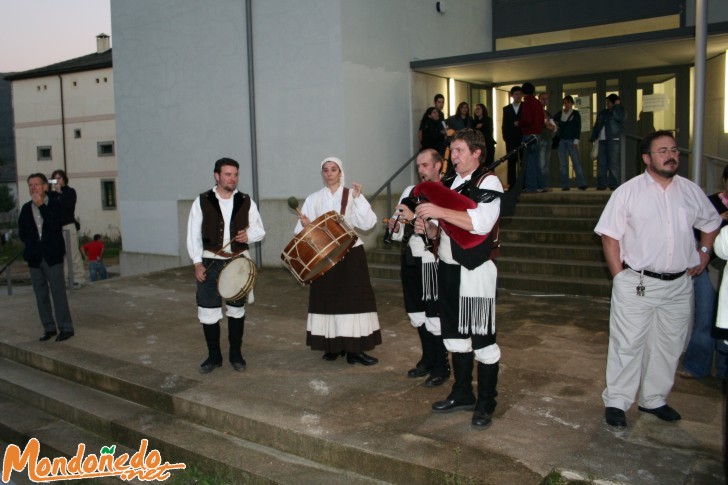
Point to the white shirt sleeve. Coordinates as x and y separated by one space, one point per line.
361 213
256 231
485 215
194 232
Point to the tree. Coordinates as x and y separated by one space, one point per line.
7 201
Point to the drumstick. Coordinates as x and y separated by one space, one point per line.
293 204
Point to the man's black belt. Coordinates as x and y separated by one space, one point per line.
659 276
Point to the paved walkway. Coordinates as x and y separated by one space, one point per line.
549 414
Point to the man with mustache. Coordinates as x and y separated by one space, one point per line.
647 236
419 280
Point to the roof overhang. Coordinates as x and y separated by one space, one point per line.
634 52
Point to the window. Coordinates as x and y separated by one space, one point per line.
44 153
108 194
105 148
77 133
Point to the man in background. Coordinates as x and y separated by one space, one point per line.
94 253
39 227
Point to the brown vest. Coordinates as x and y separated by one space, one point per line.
213 224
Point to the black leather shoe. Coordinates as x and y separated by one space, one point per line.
331 356
665 413
434 381
481 419
239 365
361 358
452 405
47 335
582 187
64 336
419 371
615 417
209 366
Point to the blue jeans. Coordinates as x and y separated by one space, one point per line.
608 164
573 152
698 360
544 157
534 175
97 270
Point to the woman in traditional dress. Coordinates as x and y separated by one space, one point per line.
342 312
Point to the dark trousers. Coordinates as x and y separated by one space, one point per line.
48 282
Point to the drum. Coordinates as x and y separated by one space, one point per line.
236 279
319 247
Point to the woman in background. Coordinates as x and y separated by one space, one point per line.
484 124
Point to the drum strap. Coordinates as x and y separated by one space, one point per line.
344 200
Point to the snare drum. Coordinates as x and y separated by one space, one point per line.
236 279
319 247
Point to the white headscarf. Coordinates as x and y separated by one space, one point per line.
337 162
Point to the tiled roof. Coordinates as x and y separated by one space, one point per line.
85 63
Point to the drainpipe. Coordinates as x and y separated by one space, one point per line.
63 124
701 18
251 103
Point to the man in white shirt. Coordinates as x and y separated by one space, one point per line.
648 241
222 223
466 273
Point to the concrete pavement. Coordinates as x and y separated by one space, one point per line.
374 420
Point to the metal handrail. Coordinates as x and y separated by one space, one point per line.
7 276
388 184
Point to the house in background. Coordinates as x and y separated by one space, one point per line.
64 118
8 173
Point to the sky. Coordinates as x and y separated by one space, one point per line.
36 33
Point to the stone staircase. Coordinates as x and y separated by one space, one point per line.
548 246
63 401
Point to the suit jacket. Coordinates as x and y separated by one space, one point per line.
50 247
511 134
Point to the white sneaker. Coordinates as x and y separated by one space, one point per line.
77 286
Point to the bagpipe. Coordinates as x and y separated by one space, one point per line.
462 198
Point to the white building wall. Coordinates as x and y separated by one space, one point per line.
88 106
332 77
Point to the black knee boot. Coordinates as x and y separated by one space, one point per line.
487 383
214 357
423 367
440 364
461 396
235 337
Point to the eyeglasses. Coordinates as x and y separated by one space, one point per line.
665 151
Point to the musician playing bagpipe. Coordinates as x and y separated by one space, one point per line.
464 211
418 271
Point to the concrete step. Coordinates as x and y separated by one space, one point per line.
565 268
539 251
572 197
19 422
145 395
586 238
384 256
121 421
559 210
384 271
553 285
566 224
